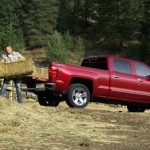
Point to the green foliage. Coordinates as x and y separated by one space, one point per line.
79 49
72 15
61 45
117 20
10 30
57 49
142 51
146 30
64 17
39 21
134 52
31 23
138 52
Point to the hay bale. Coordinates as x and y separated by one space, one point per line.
40 72
16 69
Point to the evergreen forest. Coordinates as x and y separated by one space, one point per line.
123 26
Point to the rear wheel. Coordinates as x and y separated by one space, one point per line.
48 100
135 108
78 96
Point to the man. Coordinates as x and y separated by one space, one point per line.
11 56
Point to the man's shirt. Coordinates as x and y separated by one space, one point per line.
14 57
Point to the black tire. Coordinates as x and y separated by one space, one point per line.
48 100
79 92
135 108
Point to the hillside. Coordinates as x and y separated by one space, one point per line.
39 55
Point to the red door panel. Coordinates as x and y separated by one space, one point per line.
143 89
142 72
123 86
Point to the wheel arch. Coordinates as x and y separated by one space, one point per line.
87 82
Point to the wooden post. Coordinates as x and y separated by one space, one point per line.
11 90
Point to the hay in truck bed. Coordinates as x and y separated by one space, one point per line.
36 81
40 73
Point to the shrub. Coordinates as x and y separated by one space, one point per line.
56 50
79 49
64 48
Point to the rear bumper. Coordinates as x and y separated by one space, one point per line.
42 87
50 86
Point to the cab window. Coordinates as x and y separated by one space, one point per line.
142 70
98 63
122 66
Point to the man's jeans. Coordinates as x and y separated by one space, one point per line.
17 82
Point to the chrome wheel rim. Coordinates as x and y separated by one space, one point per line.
79 96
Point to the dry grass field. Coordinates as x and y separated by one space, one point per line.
97 127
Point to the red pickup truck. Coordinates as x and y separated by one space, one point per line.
109 78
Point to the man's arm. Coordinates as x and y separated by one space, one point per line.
20 56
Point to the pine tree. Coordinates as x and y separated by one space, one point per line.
10 30
39 21
64 17
70 12
146 32
117 20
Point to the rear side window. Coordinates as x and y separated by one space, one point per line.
122 66
98 63
142 70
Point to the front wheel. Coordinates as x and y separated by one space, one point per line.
135 108
78 96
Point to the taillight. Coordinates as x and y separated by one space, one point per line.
53 72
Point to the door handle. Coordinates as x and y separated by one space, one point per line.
115 76
140 80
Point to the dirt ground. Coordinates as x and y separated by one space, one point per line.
97 127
